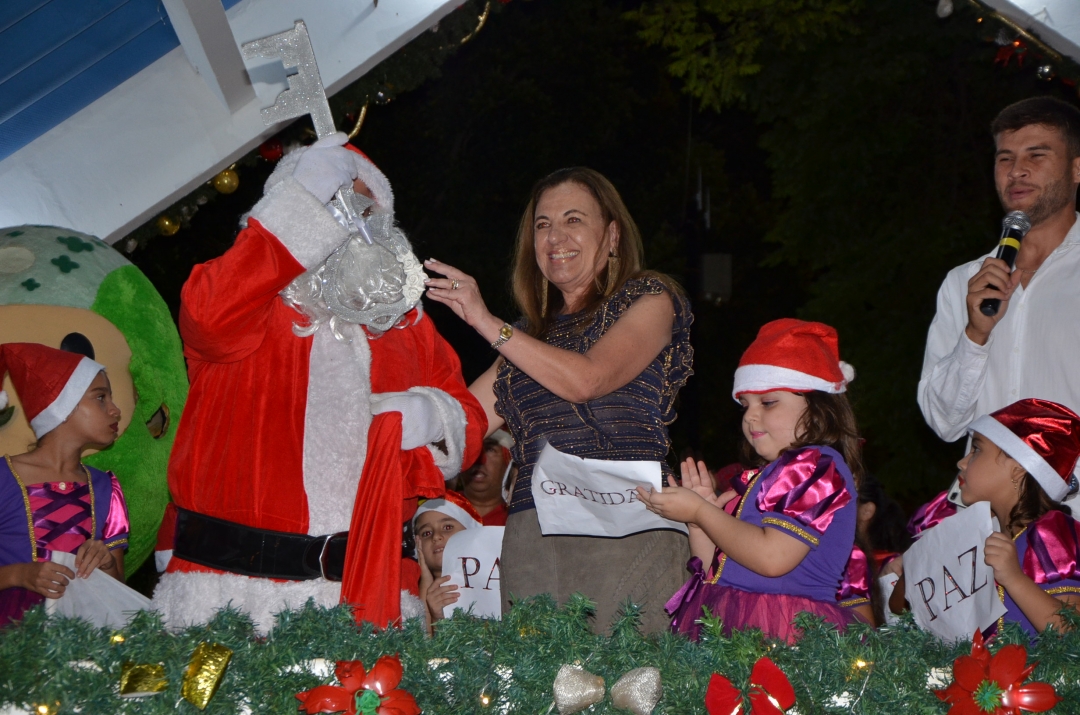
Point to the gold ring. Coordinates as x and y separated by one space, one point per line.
454 284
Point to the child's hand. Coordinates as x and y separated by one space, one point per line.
93 554
1001 556
440 595
426 577
46 578
697 478
675 503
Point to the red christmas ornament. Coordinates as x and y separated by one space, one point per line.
272 149
361 692
1016 49
985 684
770 692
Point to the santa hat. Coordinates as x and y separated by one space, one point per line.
1043 436
503 438
794 355
49 382
453 504
366 171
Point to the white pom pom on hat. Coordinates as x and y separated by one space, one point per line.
796 355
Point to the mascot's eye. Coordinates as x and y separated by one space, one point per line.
158 422
77 343
6 414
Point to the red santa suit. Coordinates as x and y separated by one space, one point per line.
278 429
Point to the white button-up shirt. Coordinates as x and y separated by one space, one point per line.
1034 351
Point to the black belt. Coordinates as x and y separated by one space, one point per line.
228 546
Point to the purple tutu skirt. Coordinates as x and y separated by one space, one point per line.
772 613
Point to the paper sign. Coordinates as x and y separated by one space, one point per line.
99 598
471 560
594 497
948 584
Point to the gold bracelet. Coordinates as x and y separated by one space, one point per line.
505 333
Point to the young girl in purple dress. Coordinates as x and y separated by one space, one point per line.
779 538
49 500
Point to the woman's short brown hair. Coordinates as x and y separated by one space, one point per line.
828 421
527 280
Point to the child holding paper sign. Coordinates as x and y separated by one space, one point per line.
49 500
779 539
1023 460
436 520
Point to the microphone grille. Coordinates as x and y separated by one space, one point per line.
1017 220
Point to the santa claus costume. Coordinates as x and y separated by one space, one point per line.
278 449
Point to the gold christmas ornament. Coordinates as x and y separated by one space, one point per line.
138 680
167 226
227 181
638 691
204 673
576 689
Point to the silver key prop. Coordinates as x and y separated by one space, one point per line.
305 95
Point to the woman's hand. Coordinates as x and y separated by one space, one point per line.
440 595
1000 555
697 478
46 578
675 503
464 299
93 554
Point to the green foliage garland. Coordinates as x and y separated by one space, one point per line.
863 671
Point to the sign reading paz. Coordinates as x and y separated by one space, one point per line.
594 497
471 560
948 584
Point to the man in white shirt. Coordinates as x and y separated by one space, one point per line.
975 364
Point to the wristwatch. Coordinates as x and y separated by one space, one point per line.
505 333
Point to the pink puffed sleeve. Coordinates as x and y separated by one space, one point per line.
855 588
117 527
802 494
1052 558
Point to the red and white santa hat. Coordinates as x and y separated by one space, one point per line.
1043 436
794 355
366 170
453 504
49 382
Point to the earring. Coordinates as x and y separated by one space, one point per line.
1016 484
612 273
543 298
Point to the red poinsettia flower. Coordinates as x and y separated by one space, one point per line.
770 692
361 692
985 684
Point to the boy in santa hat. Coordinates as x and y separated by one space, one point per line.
49 500
435 522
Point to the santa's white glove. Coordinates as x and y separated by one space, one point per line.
326 166
420 421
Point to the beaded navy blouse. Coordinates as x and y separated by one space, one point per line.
627 424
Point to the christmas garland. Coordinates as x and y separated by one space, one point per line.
522 664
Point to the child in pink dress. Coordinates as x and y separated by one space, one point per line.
49 500
777 542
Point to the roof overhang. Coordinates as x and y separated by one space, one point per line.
152 139
1056 22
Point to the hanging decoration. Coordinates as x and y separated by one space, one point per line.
638 691
361 692
994 684
167 225
204 673
576 689
227 181
770 692
138 680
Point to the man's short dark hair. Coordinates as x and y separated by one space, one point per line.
1048 111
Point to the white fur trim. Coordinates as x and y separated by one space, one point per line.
411 606
452 415
765 378
503 438
162 559
3 399
336 426
1053 483
448 508
299 221
65 403
186 599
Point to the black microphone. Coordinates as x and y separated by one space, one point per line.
1013 229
